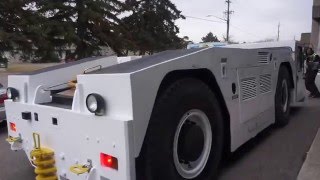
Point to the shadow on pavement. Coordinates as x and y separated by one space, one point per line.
245 149
240 154
295 110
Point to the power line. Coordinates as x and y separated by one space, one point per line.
240 29
192 17
237 27
217 17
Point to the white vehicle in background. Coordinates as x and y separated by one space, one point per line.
166 116
206 45
3 97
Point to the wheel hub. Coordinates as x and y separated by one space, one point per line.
192 144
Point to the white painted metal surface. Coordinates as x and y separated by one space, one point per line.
127 59
318 81
130 91
291 44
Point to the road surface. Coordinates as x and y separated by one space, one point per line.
277 153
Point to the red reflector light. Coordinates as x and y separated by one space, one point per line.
108 161
13 127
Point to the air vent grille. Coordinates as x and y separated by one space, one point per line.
263 57
265 83
248 88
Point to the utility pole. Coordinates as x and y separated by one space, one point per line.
228 13
278 38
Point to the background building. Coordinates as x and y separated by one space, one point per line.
305 39
315 25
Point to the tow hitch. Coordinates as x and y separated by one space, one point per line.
15 142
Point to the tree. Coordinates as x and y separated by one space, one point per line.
210 38
98 25
186 41
57 29
152 26
86 24
33 29
44 27
14 20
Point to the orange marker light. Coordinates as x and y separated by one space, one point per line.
108 161
13 127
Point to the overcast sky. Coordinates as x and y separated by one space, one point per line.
252 20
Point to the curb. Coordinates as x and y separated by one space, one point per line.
311 167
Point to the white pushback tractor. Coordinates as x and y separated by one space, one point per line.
162 117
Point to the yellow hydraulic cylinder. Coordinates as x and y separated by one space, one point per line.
43 159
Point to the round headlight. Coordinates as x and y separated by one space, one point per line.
9 94
95 104
12 93
92 103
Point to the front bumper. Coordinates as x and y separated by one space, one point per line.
76 138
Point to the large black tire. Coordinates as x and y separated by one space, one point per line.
283 97
3 124
156 161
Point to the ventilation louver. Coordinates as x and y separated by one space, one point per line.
263 57
265 83
248 88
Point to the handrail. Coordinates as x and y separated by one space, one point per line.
50 88
87 70
55 91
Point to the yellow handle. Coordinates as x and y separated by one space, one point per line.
36 140
79 169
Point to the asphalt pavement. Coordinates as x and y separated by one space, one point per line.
13 165
276 153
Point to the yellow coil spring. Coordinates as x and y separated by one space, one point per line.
43 159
